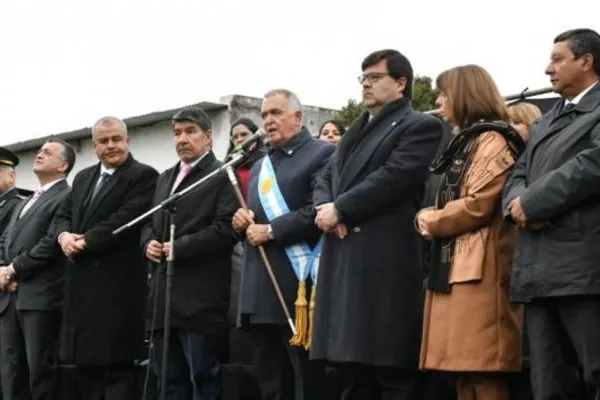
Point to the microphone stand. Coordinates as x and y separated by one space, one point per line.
170 205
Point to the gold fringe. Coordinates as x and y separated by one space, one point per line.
301 316
311 317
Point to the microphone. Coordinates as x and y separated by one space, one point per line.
245 146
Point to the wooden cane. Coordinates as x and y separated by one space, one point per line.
261 250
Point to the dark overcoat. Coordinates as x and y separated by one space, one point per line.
105 286
370 284
558 182
296 166
203 245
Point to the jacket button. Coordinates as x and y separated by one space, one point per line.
356 229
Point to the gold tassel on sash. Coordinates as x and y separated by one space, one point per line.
301 316
311 317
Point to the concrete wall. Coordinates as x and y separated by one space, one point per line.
154 144
243 106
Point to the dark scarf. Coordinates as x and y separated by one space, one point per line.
452 164
362 127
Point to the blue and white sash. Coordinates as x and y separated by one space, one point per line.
304 260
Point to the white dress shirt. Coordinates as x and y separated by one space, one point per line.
578 98
33 199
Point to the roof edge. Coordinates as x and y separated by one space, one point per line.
138 121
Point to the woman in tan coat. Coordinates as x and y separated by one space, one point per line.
470 327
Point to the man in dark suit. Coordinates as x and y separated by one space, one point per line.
202 266
370 283
293 163
30 316
553 194
105 286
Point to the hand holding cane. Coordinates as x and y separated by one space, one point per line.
261 250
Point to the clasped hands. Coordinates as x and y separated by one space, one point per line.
328 220
518 215
155 250
6 283
71 244
243 221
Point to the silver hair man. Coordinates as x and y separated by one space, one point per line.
109 120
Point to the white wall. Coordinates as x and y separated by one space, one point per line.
153 145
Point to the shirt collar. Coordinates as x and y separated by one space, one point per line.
578 98
109 171
195 162
296 142
48 185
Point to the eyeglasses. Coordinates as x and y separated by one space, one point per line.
372 77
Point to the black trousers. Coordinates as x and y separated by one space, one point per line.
283 371
28 354
564 345
360 381
193 368
107 382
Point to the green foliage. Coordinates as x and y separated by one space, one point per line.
423 99
349 112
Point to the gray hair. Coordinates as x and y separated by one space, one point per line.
109 120
293 100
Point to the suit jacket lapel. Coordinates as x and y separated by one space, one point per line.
356 161
104 190
44 198
90 180
165 187
194 173
13 227
560 119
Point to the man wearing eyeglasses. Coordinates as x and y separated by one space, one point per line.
369 289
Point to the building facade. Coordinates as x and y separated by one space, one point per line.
151 137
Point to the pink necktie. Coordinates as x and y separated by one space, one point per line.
184 169
36 195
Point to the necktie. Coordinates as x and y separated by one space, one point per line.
36 195
184 169
567 107
103 177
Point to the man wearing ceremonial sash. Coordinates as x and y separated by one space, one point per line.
370 281
281 219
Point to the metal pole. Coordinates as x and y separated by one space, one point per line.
263 253
519 96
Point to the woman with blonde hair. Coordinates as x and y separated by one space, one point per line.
470 326
522 115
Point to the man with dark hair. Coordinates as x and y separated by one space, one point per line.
280 218
369 301
30 316
105 282
553 195
202 247
68 153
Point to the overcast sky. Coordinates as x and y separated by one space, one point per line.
64 63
